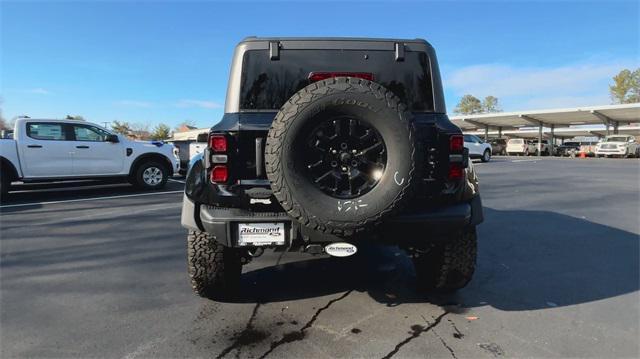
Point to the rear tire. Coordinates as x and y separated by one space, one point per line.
447 266
214 269
151 175
5 184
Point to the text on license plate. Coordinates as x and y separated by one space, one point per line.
261 234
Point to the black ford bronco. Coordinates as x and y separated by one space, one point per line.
325 144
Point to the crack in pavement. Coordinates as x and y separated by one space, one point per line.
300 335
453 354
248 335
417 331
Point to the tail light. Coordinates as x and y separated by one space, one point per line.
456 171
218 143
456 144
219 174
319 76
218 147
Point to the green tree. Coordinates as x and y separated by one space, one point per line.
490 104
161 132
468 104
121 127
626 86
3 121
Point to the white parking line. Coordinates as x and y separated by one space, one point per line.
89 199
525 161
174 180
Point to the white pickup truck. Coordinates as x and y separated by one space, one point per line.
58 150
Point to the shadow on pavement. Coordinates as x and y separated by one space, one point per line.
527 260
31 194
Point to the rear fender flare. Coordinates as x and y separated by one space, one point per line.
8 166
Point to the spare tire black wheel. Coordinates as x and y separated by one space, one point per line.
341 156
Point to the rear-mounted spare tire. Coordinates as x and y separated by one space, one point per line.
341 156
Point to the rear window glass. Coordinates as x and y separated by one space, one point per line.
46 131
516 141
267 84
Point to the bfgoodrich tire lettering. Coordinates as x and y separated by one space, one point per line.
213 268
367 102
447 266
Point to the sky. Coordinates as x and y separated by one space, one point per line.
150 62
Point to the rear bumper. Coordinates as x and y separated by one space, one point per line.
222 223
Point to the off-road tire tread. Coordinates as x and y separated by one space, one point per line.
280 126
448 266
213 268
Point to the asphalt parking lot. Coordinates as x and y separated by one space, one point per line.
100 272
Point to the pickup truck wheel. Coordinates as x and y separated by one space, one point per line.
341 155
151 175
486 156
447 266
213 268
5 184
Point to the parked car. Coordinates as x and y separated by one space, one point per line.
574 148
498 146
188 149
46 150
569 148
618 146
518 147
544 147
327 143
477 148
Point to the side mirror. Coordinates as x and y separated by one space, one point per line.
112 139
202 137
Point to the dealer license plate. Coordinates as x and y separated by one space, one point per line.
261 234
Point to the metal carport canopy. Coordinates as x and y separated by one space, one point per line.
560 133
610 114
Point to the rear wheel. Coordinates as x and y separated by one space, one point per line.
5 184
151 175
447 266
214 269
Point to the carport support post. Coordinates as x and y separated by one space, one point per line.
552 142
500 132
486 133
540 140
615 127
